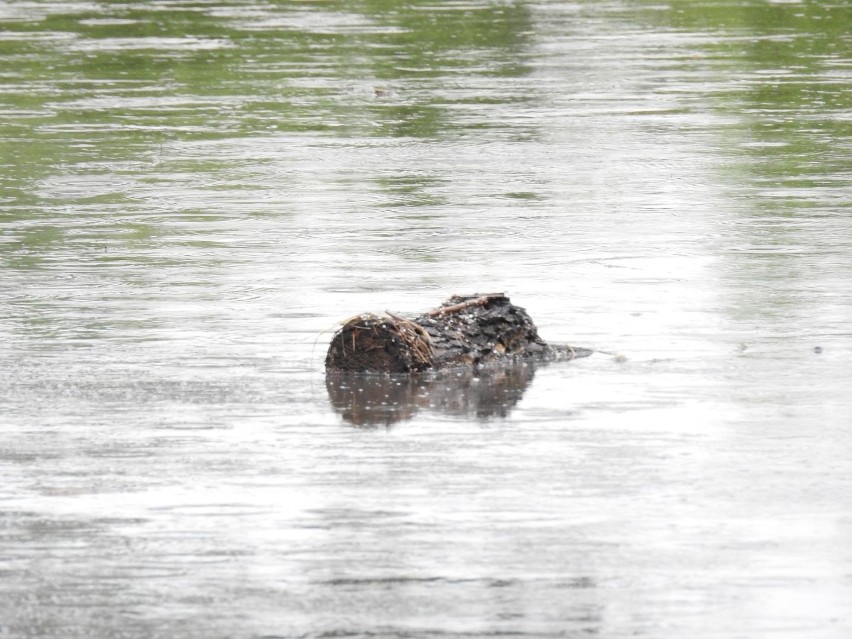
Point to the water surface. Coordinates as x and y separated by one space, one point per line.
194 194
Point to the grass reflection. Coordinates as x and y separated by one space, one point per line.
781 84
128 76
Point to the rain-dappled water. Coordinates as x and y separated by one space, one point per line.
194 194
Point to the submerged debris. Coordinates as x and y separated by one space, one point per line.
464 331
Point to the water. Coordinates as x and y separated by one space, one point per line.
193 195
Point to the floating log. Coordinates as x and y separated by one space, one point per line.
464 331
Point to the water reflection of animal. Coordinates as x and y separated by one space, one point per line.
376 400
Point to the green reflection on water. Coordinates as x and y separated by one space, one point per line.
110 83
100 90
784 85
787 72
93 93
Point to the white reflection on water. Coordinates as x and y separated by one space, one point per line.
174 462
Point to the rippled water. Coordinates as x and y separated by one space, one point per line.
194 194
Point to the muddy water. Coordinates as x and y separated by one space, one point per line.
192 195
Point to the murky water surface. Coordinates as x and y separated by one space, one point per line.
193 194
